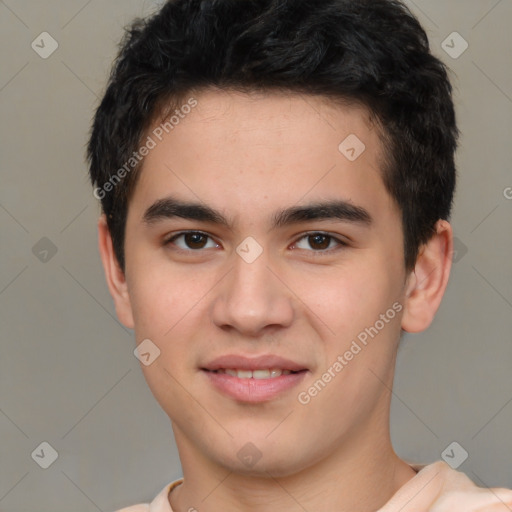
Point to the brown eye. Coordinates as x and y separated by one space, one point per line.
319 243
195 240
191 240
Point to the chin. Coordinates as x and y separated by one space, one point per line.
267 463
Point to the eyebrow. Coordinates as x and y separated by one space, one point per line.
336 209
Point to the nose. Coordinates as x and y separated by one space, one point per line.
252 298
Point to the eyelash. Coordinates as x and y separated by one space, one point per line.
321 252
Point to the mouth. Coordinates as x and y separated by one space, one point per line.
253 379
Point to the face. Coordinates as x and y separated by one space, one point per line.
290 247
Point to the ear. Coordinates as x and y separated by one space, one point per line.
427 282
115 277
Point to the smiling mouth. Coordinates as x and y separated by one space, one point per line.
267 373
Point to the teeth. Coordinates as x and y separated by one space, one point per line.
269 373
265 374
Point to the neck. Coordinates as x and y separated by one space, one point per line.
362 474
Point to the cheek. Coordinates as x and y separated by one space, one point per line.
347 309
169 306
348 299
162 296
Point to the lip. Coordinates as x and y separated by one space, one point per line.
262 362
253 390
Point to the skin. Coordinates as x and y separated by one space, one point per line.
248 155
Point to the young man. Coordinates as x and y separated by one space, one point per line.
276 178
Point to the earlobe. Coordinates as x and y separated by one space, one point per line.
427 283
115 277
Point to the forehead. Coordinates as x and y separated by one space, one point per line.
243 150
251 113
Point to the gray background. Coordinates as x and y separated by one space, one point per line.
68 375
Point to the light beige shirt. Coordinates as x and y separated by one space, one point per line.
435 488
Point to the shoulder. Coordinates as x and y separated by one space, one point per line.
159 504
459 492
437 487
141 507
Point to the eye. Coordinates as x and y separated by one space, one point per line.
191 240
320 242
